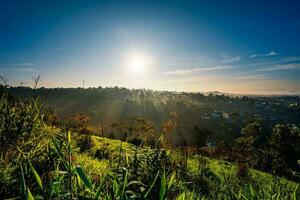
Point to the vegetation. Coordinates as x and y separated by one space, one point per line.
222 115
47 158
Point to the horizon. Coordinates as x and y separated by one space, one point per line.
249 48
153 90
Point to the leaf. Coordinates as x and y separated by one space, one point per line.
30 197
83 177
136 183
124 184
163 185
57 150
79 181
22 185
181 196
115 188
151 186
69 136
37 177
252 192
100 188
170 182
295 193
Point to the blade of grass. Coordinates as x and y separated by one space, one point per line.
58 152
69 136
30 197
124 184
151 186
163 185
37 177
170 182
22 185
100 188
295 192
84 177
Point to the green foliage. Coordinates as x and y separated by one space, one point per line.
113 104
44 162
137 130
83 177
284 143
37 177
84 142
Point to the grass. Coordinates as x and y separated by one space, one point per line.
220 167
44 162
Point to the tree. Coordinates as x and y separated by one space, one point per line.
253 130
134 127
284 148
201 136
169 128
246 147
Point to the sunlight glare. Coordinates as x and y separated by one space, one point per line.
138 63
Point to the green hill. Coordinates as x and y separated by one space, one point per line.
41 161
223 115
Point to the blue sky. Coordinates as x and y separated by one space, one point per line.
229 46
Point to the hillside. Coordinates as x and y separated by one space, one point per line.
66 161
223 115
214 172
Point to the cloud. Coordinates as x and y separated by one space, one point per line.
230 60
282 67
271 53
190 71
27 64
291 59
252 77
19 69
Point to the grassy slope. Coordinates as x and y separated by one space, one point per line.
218 167
110 148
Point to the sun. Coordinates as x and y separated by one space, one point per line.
138 63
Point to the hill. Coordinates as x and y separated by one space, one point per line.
223 115
42 161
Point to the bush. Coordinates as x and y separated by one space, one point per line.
135 141
85 143
243 171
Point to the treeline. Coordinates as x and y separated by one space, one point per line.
277 153
224 116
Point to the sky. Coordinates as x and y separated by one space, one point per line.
244 47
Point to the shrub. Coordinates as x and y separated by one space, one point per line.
243 171
85 143
135 141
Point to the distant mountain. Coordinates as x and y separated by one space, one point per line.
222 114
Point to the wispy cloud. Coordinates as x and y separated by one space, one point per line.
199 69
252 77
19 69
27 64
282 67
271 53
227 59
